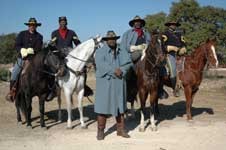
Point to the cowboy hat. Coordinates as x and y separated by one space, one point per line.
32 21
62 18
110 36
169 23
135 19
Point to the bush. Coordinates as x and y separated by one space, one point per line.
5 75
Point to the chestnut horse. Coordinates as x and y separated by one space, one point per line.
192 74
147 71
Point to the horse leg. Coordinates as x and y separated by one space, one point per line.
153 102
17 104
143 96
68 95
28 110
42 110
188 95
132 110
59 106
80 108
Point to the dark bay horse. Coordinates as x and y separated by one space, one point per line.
35 81
147 71
192 74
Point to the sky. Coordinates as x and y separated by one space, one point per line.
86 17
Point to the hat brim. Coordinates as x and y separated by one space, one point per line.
110 38
131 23
172 23
37 24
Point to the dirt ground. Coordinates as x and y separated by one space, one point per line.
206 132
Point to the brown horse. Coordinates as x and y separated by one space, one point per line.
147 71
192 74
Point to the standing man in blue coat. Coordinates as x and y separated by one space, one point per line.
112 64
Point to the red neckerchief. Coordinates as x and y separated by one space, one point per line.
63 32
139 32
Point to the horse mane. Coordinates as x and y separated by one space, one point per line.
80 47
200 46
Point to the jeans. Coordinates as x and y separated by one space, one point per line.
171 63
17 69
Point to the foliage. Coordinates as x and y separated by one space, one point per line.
7 48
4 75
199 24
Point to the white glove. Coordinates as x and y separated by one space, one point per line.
23 52
30 51
138 47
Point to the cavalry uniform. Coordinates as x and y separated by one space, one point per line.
135 40
64 38
26 43
26 40
111 88
175 45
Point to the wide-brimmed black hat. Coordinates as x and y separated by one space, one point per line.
62 18
169 23
110 36
135 19
32 21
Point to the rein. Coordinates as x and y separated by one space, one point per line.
95 47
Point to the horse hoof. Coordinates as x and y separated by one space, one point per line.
59 121
19 123
190 120
44 128
141 129
69 128
84 127
29 127
154 129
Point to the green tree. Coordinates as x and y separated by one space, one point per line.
199 24
7 48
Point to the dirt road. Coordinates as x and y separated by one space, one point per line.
206 132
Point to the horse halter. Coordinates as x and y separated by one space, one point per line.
154 64
46 62
96 46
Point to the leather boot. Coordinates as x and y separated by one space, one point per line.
162 94
101 122
87 90
12 91
121 126
53 93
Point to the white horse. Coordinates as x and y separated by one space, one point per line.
74 79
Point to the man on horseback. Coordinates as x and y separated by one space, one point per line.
175 45
112 64
136 39
63 38
28 42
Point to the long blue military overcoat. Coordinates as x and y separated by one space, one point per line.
110 90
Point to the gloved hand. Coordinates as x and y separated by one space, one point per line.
138 47
23 52
182 51
30 51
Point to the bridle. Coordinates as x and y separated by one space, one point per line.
96 46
